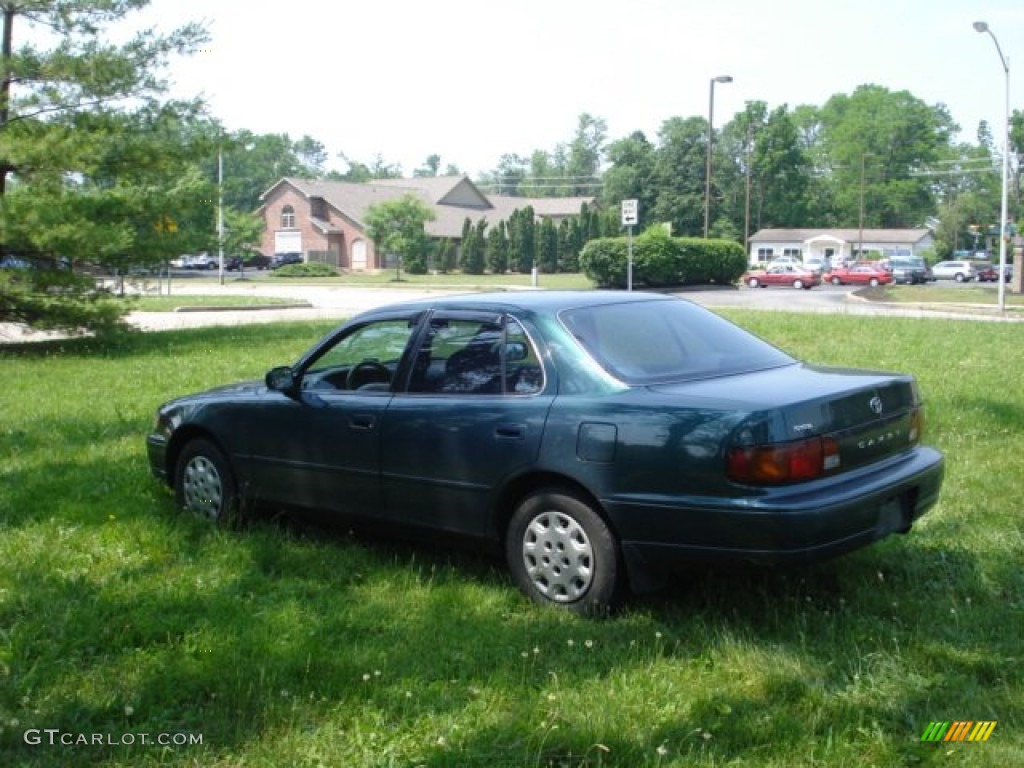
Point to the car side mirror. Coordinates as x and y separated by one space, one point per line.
281 379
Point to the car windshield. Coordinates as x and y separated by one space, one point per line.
651 342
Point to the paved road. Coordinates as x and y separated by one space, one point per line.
338 302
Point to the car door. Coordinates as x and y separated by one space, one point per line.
471 417
319 447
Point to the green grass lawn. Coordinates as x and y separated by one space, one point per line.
285 645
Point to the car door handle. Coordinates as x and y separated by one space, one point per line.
362 421
510 431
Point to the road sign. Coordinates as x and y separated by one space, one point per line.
629 213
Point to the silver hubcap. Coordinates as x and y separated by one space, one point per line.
204 492
558 556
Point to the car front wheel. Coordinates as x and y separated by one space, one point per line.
798 284
959 277
873 282
561 552
752 282
203 482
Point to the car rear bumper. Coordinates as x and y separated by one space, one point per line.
786 525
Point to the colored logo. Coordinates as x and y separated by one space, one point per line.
959 730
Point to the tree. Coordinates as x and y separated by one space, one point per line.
569 245
547 247
445 255
474 249
431 166
630 176
678 174
93 166
397 228
361 172
522 242
497 249
890 135
584 161
255 162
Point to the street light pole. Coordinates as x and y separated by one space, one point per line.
711 138
220 213
1004 230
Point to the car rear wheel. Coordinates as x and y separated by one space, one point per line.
959 277
798 284
836 281
203 482
752 282
561 552
873 282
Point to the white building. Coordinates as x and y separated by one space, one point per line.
838 245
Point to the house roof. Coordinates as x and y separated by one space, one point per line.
845 235
452 198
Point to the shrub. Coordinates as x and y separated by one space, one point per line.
660 260
309 269
415 264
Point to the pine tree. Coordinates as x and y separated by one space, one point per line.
93 166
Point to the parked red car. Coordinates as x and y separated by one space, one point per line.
989 273
859 274
782 274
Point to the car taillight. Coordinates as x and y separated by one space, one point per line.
916 426
781 463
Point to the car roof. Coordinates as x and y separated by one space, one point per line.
529 300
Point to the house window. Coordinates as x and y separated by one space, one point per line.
287 217
765 254
794 252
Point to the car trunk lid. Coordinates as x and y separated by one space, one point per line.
864 415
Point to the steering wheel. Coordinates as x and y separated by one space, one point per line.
371 370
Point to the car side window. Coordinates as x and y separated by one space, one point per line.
461 356
366 359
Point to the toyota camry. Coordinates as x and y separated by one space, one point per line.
599 440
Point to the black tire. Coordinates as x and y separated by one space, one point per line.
836 281
753 282
873 282
203 482
562 553
798 284
959 277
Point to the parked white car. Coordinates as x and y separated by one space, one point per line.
817 264
961 271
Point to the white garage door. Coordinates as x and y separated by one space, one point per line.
288 242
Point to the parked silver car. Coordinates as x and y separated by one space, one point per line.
961 271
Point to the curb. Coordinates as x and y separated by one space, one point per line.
245 307
966 311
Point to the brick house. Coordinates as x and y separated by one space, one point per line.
323 220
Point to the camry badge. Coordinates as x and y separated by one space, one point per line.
876 405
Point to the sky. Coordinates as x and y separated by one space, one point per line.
472 80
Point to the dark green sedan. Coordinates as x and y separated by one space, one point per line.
601 439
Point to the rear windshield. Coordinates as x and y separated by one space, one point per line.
653 342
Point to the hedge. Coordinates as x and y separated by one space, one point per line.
660 260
